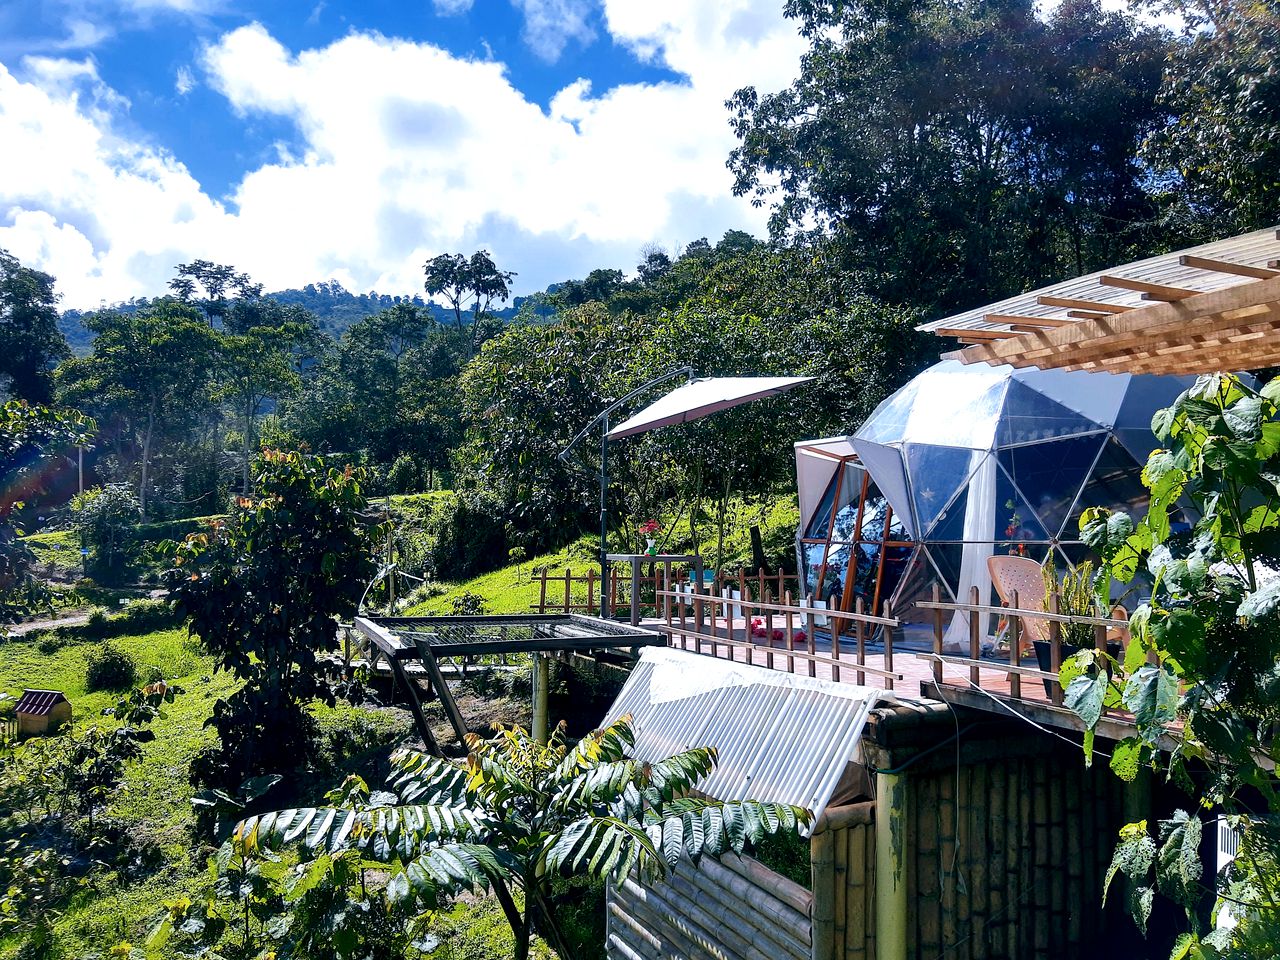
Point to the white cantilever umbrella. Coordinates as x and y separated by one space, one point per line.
698 398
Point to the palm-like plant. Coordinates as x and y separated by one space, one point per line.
516 813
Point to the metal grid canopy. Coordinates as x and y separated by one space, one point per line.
475 636
1209 308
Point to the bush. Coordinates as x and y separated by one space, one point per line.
110 668
105 518
468 537
404 475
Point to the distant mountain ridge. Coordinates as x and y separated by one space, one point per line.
335 307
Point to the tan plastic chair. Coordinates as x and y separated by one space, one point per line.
1010 573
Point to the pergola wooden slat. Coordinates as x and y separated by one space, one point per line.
1214 307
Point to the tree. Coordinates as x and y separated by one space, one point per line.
105 518
517 813
149 371
458 279
1222 146
216 281
1212 632
963 151
31 344
30 437
264 589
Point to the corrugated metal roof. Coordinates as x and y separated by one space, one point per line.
780 737
1254 249
37 703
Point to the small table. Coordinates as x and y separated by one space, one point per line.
636 559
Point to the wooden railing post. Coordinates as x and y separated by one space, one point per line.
591 590
542 593
888 647
1015 649
698 621
835 648
767 616
860 633
789 633
568 588
975 637
810 626
937 634
1055 650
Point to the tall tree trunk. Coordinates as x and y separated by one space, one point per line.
247 444
146 460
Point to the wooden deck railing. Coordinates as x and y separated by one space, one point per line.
1012 669
747 624
569 592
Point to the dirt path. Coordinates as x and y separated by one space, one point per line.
33 626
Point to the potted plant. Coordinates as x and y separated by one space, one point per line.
647 530
1076 597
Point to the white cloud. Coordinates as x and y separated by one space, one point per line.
184 81
549 25
426 152
451 8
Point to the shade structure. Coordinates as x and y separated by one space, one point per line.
965 462
1210 308
700 398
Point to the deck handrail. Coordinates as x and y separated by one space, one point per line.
1004 610
799 608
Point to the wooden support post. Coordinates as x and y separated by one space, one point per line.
836 626
822 865
568 588
810 627
666 589
542 593
699 573
415 706
937 635
888 647
540 683
860 634
788 634
1015 649
442 690
697 622
892 836
635 592
1055 650
591 590
975 636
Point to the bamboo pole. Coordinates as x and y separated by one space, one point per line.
891 867
822 866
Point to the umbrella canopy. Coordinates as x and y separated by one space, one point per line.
701 397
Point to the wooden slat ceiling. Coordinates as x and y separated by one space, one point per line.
1211 308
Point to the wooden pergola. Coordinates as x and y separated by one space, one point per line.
1210 308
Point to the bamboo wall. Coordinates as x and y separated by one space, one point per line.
853 910
734 909
1008 857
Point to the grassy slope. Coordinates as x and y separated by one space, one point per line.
515 589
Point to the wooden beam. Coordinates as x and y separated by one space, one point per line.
1086 315
1117 335
1013 318
973 334
1100 306
1150 291
1223 266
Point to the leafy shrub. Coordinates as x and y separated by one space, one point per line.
105 518
404 476
469 537
109 668
467 604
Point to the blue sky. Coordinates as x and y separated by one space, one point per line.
352 140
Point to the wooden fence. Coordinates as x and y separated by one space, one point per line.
8 728
570 592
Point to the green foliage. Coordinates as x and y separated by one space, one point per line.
30 342
467 536
264 590
467 605
1075 597
105 518
516 814
1222 93
109 668
1213 627
959 152
29 438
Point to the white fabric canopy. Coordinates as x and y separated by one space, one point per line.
701 397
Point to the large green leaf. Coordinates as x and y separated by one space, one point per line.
1178 869
1151 694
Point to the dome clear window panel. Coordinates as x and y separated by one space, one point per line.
848 504
1030 416
833 572
935 473
820 522
813 554
1049 475
876 512
948 559
1016 524
1116 483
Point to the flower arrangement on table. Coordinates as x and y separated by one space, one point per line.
647 530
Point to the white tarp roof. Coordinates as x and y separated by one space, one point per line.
781 737
816 463
702 397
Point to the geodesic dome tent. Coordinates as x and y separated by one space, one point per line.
964 462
